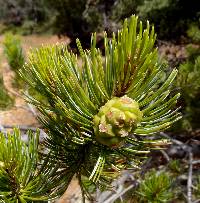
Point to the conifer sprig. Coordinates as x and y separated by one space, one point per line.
23 178
75 90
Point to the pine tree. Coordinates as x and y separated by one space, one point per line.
101 114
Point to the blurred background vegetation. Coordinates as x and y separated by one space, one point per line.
78 18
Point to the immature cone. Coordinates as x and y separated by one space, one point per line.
116 120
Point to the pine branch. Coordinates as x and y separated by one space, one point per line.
98 113
21 179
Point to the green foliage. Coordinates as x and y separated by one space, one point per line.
148 6
15 56
197 187
188 81
89 15
125 8
22 179
13 51
174 166
5 100
19 11
69 14
189 78
76 91
170 17
194 32
155 188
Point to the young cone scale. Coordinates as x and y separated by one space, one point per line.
116 120
102 113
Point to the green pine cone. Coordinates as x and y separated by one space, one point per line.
115 120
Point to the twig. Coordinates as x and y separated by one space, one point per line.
185 147
165 155
189 182
197 201
118 189
196 162
118 195
173 140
